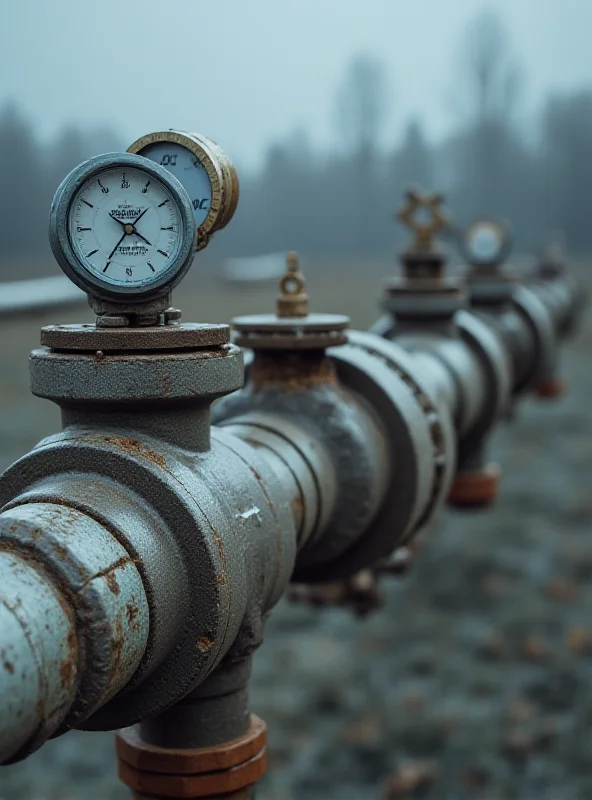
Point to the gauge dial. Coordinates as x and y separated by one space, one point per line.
122 225
204 170
125 227
486 243
187 168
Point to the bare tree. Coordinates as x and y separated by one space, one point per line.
360 110
361 104
491 77
488 150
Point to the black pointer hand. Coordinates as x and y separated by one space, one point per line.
116 246
139 235
137 219
121 222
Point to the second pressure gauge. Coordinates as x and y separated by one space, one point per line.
486 243
204 170
122 228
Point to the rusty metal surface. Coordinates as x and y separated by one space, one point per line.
268 331
214 532
475 488
38 656
298 458
350 432
452 368
167 760
108 378
186 486
420 437
196 786
95 576
182 336
148 540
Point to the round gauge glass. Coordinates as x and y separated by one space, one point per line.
485 243
189 170
122 227
125 227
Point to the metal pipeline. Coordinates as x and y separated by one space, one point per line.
141 549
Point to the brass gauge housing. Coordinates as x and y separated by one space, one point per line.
205 171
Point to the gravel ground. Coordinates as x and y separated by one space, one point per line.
473 681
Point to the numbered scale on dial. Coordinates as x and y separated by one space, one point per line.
122 228
486 243
205 171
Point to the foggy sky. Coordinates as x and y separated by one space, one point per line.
247 72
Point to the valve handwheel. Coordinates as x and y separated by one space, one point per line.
423 215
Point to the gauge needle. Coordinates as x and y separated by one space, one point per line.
121 222
139 235
116 246
141 215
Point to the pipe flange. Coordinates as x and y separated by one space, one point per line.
134 378
270 332
539 320
420 435
491 289
415 298
482 340
440 424
90 338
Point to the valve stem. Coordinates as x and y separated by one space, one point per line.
293 300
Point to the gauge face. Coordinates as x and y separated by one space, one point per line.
125 227
122 227
203 169
189 170
485 243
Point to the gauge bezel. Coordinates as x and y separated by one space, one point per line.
65 254
211 163
505 242
231 184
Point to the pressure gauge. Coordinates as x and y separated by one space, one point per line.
203 168
122 228
486 243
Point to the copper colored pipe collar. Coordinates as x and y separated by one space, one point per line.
550 388
195 773
479 488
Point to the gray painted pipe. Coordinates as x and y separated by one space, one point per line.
73 622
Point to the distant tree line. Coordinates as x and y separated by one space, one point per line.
344 202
